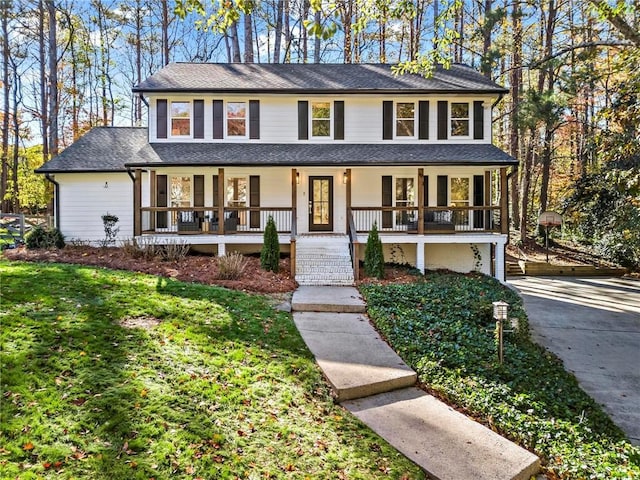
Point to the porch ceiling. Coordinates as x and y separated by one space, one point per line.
322 154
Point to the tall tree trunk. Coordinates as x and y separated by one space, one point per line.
485 64
278 33
384 13
549 122
44 98
516 97
235 43
17 89
317 39
4 175
137 117
525 187
346 11
286 27
165 33
306 5
53 78
248 38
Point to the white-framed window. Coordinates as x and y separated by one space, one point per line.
321 119
180 119
405 196
460 115
237 114
405 119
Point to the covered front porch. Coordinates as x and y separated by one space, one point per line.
417 208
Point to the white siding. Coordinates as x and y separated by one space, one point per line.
85 197
362 117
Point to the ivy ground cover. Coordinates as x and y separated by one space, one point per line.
117 375
442 326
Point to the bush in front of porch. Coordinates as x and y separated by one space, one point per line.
270 254
373 254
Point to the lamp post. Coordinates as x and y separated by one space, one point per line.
500 313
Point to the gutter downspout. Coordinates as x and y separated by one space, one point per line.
56 199
144 100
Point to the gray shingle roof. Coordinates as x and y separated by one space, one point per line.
103 149
113 149
310 154
312 78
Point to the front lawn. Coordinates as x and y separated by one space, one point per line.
443 328
117 375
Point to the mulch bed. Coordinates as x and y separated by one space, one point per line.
192 268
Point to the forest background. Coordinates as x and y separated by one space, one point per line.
571 118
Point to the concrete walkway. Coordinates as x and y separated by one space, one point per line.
375 385
593 325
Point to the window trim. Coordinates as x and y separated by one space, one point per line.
170 118
468 118
396 119
331 120
247 192
226 120
170 177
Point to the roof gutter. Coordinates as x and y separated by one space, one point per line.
56 199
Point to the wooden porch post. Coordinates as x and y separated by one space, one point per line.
137 203
153 197
487 201
504 206
221 191
420 201
294 221
348 172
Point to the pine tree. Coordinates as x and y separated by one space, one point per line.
373 255
270 255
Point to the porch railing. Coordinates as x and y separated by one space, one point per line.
206 220
434 219
353 245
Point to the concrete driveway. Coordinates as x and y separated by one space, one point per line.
593 325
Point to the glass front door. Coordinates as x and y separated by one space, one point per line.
320 204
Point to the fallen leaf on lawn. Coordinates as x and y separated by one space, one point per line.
79 401
46 465
82 354
57 464
289 468
28 446
190 470
144 392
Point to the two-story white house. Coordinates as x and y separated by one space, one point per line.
324 149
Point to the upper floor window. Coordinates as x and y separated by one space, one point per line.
236 119
321 119
180 119
459 119
405 119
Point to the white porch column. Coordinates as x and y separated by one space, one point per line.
420 256
222 250
500 274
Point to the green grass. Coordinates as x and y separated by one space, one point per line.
443 327
222 387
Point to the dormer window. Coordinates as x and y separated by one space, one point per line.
236 119
320 119
180 119
405 119
459 119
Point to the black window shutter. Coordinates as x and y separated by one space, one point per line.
338 120
218 119
387 200
423 120
443 120
215 191
198 119
254 200
425 199
478 200
478 120
254 119
161 118
443 194
303 120
387 120
161 200
198 190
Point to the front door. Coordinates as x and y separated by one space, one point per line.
320 204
